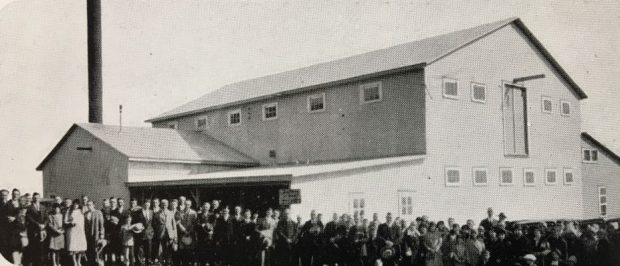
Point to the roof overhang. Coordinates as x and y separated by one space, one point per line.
222 163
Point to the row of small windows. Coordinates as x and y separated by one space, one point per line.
453 176
369 93
478 94
590 155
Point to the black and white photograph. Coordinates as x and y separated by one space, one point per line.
309 133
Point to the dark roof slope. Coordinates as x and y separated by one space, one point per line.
412 54
161 144
610 153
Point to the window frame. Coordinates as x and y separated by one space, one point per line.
357 196
529 170
267 105
452 168
542 104
501 176
364 86
315 96
405 194
236 111
590 150
206 118
566 171
443 88
547 171
570 108
473 98
473 176
174 124
600 204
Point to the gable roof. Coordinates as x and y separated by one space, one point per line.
161 144
610 153
410 55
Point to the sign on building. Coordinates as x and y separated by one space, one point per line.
289 196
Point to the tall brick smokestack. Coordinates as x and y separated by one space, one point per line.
95 81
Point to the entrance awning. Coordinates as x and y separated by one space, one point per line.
263 174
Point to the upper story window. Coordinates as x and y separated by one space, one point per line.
480 176
478 92
234 117
602 201
173 125
371 92
547 105
565 108
551 176
453 176
270 111
316 103
202 122
569 178
529 177
506 176
590 155
450 88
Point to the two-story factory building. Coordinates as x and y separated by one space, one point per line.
444 126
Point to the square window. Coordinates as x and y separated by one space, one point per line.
550 176
357 202
480 176
234 117
406 203
506 176
371 92
270 111
565 106
201 123
547 105
316 103
568 176
529 177
478 92
450 88
453 176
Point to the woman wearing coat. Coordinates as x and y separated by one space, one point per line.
76 234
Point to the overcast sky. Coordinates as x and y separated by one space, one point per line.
160 54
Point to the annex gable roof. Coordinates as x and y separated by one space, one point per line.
161 145
413 55
615 157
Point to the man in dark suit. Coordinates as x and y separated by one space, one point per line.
284 238
143 240
4 222
387 237
36 217
94 225
489 222
225 237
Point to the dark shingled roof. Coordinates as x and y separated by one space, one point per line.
161 144
403 56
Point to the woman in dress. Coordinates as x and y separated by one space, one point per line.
76 235
57 234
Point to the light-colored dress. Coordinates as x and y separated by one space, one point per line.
76 235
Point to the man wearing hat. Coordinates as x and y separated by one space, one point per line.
529 259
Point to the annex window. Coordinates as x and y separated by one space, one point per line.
480 176
569 177
514 111
371 92
529 177
453 176
316 103
234 117
450 88
405 203
478 92
201 123
270 111
547 105
565 108
357 202
173 125
506 176
590 155
602 201
551 176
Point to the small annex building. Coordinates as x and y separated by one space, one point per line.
445 126
601 179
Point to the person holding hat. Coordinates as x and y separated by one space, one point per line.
520 243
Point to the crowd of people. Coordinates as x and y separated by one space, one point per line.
175 232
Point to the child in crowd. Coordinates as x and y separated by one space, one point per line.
128 241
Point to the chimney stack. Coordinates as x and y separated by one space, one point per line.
95 82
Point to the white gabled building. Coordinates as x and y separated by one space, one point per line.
446 126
